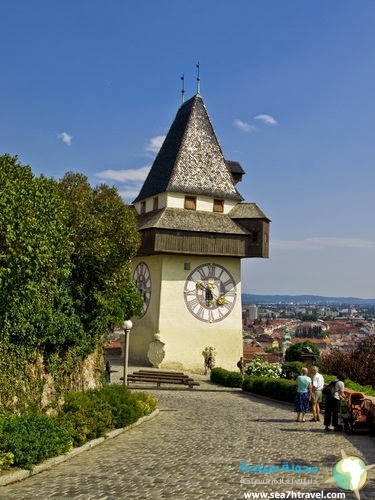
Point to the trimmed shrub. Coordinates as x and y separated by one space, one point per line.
91 414
122 403
32 439
234 379
281 389
218 376
226 378
292 369
26 440
85 417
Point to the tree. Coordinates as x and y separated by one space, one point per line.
35 252
65 252
357 365
105 239
293 353
363 359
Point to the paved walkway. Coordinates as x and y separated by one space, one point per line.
194 448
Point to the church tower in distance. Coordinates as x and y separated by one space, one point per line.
195 230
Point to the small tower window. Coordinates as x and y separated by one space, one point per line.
218 205
190 203
155 203
143 207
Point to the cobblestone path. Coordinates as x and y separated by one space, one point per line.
193 450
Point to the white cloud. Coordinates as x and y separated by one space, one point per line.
319 243
267 119
129 181
129 175
65 137
154 144
245 127
128 194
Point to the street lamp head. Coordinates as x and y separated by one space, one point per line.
128 324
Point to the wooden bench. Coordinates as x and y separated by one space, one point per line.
162 377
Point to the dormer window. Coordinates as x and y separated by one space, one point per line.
143 207
218 206
190 203
155 203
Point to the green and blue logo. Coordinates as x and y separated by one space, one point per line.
350 473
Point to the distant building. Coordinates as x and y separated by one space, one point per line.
253 312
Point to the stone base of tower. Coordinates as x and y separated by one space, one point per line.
183 332
188 354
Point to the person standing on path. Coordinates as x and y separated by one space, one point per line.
303 396
240 365
332 409
317 395
108 372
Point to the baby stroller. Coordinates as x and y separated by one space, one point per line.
355 412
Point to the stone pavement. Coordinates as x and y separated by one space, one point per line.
194 448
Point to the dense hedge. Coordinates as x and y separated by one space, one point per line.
30 439
279 388
285 390
26 440
226 378
89 415
292 369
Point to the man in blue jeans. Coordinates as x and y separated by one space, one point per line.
332 409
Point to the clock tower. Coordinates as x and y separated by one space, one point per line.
195 230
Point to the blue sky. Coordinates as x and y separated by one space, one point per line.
92 86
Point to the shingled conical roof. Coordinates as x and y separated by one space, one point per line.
190 160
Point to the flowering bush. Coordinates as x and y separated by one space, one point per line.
261 368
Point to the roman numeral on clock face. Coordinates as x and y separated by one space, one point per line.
142 278
210 292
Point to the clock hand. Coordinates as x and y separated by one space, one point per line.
221 300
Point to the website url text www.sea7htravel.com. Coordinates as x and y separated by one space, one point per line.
321 495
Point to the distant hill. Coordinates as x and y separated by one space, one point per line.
248 298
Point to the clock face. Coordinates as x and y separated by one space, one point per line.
142 278
210 292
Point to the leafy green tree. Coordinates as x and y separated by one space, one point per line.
65 252
35 250
293 353
105 239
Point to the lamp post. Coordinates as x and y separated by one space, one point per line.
127 327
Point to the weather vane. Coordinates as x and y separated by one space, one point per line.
198 80
183 89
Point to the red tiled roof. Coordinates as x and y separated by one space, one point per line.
249 351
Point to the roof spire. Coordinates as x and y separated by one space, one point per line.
198 79
183 89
